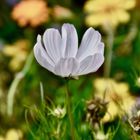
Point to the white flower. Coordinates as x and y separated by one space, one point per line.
59 112
60 53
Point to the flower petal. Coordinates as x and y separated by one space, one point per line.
100 48
41 56
52 41
122 15
95 19
129 4
90 64
70 40
66 67
90 44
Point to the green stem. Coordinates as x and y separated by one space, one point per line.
108 55
14 84
69 111
134 135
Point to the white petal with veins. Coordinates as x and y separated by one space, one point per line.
66 67
52 42
41 56
70 37
91 64
89 44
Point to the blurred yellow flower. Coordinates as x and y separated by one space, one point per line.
33 12
18 53
118 96
108 12
60 13
12 134
2 138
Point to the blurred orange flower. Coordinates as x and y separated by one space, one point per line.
108 12
33 12
60 12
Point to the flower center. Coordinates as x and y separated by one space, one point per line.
109 8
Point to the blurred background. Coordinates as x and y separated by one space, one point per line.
21 21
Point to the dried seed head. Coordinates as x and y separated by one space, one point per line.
96 109
134 119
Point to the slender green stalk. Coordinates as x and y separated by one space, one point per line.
42 92
108 55
134 137
68 101
14 84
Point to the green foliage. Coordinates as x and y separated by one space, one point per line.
45 116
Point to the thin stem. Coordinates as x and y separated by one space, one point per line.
14 84
134 135
69 111
42 92
108 56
